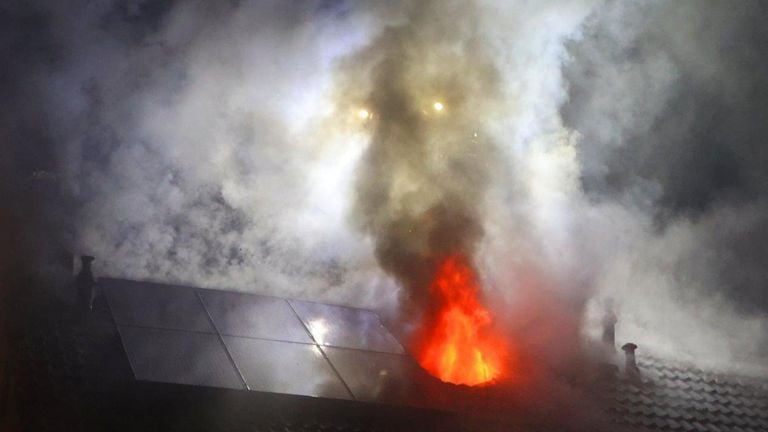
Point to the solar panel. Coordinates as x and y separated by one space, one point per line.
179 357
380 377
239 314
346 327
194 336
285 367
154 305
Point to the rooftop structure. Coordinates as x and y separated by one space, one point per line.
183 358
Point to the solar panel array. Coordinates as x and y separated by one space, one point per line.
185 335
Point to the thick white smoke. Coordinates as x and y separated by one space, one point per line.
206 145
660 91
196 153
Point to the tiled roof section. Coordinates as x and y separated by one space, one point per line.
675 397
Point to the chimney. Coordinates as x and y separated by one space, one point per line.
630 366
609 326
85 285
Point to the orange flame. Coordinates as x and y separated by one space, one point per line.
457 343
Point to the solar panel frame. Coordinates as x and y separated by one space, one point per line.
384 377
255 316
286 367
179 357
339 364
154 305
346 327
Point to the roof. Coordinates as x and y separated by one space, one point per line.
674 396
71 372
116 366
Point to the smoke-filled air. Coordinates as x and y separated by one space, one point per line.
427 90
486 174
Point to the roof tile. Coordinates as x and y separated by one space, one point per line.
675 397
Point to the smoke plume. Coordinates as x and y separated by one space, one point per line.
582 149
430 87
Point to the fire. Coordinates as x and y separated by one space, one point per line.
457 342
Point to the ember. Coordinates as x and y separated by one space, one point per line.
457 342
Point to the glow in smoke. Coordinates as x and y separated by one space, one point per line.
216 152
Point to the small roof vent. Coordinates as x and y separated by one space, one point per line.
630 364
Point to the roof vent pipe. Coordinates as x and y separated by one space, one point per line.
630 365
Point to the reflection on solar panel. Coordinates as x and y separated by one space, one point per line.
235 340
286 367
346 327
238 314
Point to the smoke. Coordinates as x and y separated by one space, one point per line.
584 149
431 88
468 155
668 97
184 146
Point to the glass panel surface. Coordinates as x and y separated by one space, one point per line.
239 314
149 304
179 357
381 377
285 367
346 327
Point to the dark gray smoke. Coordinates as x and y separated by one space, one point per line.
670 99
430 88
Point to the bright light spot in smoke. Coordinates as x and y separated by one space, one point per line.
364 114
438 106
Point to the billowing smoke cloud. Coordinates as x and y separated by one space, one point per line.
185 147
669 98
430 87
585 149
